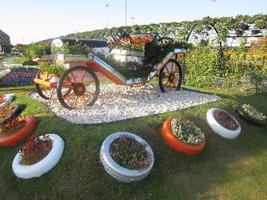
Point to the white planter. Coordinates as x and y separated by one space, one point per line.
43 166
7 100
120 173
219 129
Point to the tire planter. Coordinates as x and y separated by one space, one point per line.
17 109
118 172
8 99
43 166
247 117
22 134
218 128
177 144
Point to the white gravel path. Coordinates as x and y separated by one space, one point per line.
117 102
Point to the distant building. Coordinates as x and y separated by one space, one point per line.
5 46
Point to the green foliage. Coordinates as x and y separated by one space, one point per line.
186 131
127 69
64 49
57 70
242 66
35 50
178 30
202 65
70 49
252 111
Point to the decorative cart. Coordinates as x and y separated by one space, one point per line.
78 86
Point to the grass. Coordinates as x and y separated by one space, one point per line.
226 169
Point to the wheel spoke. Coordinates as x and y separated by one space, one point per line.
83 100
75 102
90 82
83 76
73 77
92 93
68 95
166 67
52 93
172 68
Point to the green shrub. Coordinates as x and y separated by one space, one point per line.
70 49
57 70
202 66
35 50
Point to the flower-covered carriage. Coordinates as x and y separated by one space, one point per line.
78 86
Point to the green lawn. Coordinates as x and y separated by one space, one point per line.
226 169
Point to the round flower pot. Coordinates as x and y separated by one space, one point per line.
43 166
118 172
20 135
17 109
243 114
177 144
7 100
218 128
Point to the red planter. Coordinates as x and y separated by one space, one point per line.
176 144
22 134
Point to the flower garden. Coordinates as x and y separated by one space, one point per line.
215 150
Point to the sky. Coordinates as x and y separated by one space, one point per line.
28 21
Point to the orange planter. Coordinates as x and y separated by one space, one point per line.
22 134
176 144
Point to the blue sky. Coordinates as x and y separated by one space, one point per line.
32 20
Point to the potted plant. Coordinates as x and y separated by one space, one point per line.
51 72
223 123
250 113
38 156
9 112
126 157
183 136
17 129
5 99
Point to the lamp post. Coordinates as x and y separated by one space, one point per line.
133 18
107 15
126 13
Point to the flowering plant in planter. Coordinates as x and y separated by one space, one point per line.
186 131
16 129
129 153
11 126
183 136
38 156
223 123
35 149
225 119
126 157
251 114
9 112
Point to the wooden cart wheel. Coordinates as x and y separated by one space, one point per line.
84 88
44 92
170 76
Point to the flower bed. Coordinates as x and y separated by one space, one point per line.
126 157
249 113
38 156
223 123
19 76
183 136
